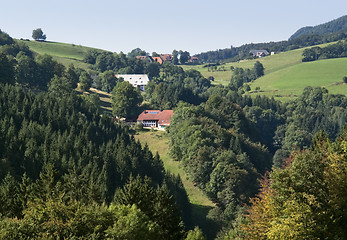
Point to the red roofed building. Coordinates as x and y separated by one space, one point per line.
158 119
158 60
166 57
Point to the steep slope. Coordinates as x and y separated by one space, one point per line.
61 52
289 82
337 25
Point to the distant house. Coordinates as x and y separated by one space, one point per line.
157 119
166 57
147 58
158 60
137 80
259 53
193 60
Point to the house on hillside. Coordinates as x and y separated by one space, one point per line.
157 119
194 60
137 80
145 58
163 58
158 60
259 53
166 57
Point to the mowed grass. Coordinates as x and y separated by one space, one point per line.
157 141
289 82
62 52
286 75
271 64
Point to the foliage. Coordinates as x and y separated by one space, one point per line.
237 53
316 110
195 234
213 143
38 35
337 25
85 81
5 39
306 200
337 50
6 69
157 204
242 76
126 100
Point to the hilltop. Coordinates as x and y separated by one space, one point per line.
285 74
337 25
62 52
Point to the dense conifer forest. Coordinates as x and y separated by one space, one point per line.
69 170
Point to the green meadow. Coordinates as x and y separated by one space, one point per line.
158 141
62 52
286 75
289 82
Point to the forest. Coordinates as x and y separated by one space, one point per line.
69 170
234 54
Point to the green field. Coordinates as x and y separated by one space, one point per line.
157 141
62 52
286 75
289 82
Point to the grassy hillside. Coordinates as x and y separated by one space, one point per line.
270 63
62 52
290 81
157 141
286 75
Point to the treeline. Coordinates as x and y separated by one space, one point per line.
243 52
304 200
314 111
337 50
241 76
175 85
70 157
20 65
226 143
66 170
334 26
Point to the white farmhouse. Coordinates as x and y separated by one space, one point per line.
137 80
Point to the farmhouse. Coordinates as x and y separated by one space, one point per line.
194 60
158 60
145 58
166 57
137 80
259 53
157 119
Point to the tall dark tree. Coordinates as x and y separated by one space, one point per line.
184 57
6 70
85 81
258 69
38 35
126 100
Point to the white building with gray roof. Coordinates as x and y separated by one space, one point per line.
137 80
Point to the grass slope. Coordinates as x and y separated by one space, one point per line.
62 52
286 75
290 82
157 141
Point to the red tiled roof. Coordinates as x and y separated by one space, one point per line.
166 57
163 117
158 59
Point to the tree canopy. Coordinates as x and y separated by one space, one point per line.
38 35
